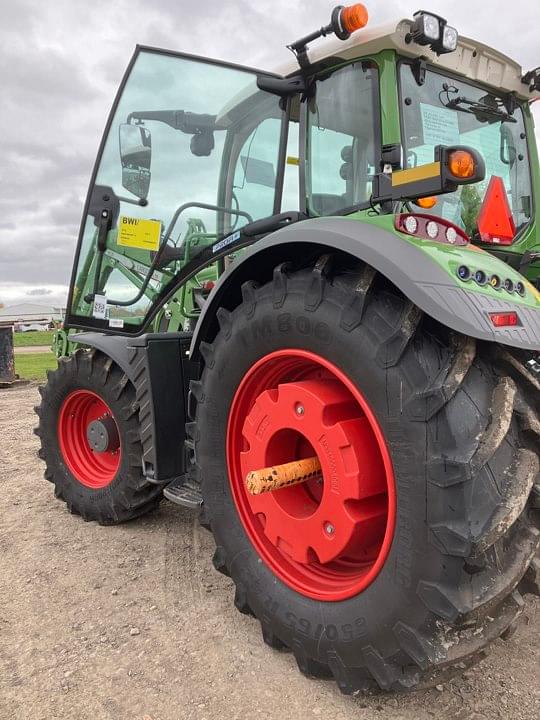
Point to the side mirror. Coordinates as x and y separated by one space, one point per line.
135 155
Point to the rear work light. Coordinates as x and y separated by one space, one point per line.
505 319
430 29
430 227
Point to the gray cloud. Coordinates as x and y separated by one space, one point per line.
61 62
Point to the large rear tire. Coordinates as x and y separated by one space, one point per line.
90 440
463 443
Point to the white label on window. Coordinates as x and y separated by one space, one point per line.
116 322
440 125
100 307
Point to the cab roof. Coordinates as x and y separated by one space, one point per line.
472 59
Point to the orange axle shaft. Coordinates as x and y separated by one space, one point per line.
279 476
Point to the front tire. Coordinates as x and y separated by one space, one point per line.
463 462
90 440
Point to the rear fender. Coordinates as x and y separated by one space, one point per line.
410 267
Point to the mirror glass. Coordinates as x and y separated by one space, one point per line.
135 155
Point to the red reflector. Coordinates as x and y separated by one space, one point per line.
495 222
505 319
208 285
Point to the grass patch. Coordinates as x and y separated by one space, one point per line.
33 337
34 366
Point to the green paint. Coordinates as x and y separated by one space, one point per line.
388 84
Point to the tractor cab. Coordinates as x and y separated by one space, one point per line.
201 158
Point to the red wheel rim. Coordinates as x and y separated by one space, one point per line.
92 469
327 539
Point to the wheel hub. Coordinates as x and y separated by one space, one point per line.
328 537
102 435
310 523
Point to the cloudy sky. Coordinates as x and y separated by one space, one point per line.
62 60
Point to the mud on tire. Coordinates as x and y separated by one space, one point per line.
129 494
463 433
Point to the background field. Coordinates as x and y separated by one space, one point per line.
34 366
33 337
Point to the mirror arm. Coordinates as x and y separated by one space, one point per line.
187 122
142 201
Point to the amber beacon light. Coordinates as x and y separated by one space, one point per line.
345 20
353 17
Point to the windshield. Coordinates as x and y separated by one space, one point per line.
447 111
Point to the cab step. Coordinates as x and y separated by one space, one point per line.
184 491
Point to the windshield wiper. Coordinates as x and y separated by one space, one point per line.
475 107
486 107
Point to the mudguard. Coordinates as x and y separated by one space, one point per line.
158 367
423 275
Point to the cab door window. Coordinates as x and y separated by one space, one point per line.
342 139
180 127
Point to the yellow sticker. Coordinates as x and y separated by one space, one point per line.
138 233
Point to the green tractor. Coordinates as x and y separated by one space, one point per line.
306 305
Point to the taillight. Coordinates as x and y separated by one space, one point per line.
430 227
505 319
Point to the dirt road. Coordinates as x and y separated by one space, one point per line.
28 349
132 623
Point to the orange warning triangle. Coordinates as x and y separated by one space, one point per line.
495 222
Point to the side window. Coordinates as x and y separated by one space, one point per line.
255 172
342 139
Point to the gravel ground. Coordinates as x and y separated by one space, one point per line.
132 622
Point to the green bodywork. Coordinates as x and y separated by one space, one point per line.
181 311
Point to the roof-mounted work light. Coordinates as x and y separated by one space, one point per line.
430 29
532 79
344 21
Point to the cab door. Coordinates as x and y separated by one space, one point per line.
191 153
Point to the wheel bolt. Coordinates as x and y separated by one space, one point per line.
329 529
299 409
